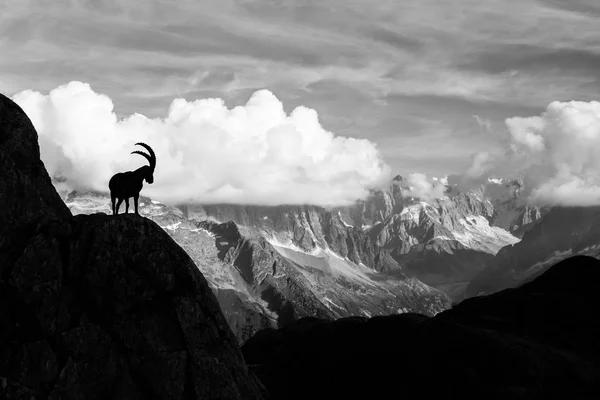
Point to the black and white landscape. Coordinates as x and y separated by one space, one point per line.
337 199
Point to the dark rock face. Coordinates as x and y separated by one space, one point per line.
98 307
511 210
558 308
526 218
563 231
354 243
26 192
243 319
535 342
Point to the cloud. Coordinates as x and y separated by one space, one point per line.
371 62
420 186
484 123
207 153
557 153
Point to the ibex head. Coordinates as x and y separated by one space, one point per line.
148 170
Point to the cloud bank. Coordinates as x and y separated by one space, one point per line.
557 153
424 188
206 152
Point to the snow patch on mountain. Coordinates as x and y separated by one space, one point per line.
331 303
289 245
347 225
210 234
477 232
326 261
172 227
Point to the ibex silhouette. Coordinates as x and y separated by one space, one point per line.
129 184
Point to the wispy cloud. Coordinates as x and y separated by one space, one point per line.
372 69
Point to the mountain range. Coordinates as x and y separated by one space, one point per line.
388 254
270 266
101 306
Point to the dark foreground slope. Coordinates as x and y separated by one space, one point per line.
563 232
538 341
100 307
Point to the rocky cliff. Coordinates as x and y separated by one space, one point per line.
442 241
511 210
99 307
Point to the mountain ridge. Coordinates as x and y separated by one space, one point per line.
537 341
563 231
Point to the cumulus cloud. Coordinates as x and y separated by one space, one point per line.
482 166
207 153
557 154
420 186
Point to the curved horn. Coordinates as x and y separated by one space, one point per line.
151 158
141 153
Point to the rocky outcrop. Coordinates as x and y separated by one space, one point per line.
527 217
442 241
511 210
99 306
379 206
295 285
284 288
26 192
563 232
355 244
535 342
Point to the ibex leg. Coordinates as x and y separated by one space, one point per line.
135 203
118 206
113 200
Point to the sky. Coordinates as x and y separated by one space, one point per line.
427 88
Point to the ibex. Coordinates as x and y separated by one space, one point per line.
129 184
